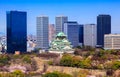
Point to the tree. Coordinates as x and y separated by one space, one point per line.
66 60
75 61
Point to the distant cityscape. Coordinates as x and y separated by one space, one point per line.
93 35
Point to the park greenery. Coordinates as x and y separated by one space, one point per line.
89 62
90 58
83 57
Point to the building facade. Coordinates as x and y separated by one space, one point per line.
81 40
90 37
71 29
16 31
112 41
42 32
51 32
59 23
103 27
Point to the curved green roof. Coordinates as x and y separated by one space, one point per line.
61 34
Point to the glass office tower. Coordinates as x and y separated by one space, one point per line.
103 27
59 23
42 32
71 29
81 40
16 31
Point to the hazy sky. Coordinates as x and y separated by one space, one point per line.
83 11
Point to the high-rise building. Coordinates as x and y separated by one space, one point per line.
59 23
71 29
90 35
112 41
103 27
16 31
42 32
51 32
81 40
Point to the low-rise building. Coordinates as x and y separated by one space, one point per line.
112 41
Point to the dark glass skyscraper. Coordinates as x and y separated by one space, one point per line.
103 27
81 34
16 31
71 29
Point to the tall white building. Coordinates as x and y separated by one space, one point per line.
90 35
112 41
42 32
59 23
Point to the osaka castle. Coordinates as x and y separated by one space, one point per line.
61 44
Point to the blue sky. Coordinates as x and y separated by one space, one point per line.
83 11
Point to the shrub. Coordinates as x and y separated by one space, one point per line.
50 62
66 60
16 56
116 65
83 73
73 61
78 51
85 63
48 55
56 74
17 73
100 53
27 59
4 59
88 48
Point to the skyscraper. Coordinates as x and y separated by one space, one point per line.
59 23
16 31
90 37
81 40
71 29
51 32
42 32
103 27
